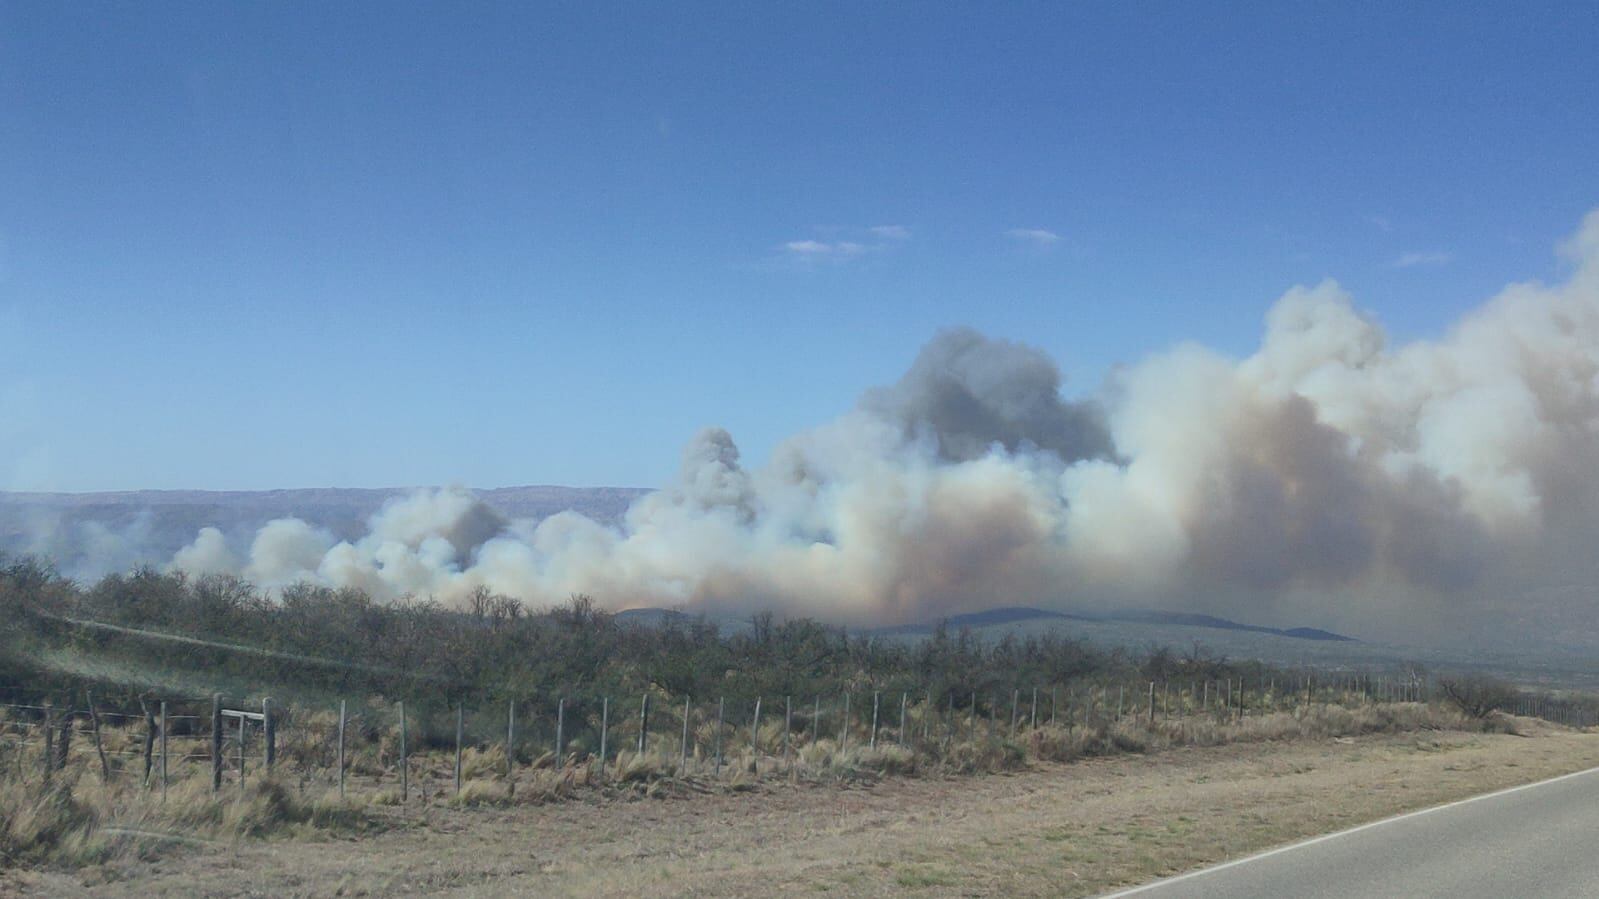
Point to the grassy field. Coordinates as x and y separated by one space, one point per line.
1046 828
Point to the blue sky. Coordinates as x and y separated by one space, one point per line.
268 245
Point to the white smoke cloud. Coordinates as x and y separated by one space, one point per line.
1328 475
208 554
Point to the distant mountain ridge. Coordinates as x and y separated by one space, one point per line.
1004 615
1013 614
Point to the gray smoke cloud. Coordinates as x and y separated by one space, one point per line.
1328 477
966 393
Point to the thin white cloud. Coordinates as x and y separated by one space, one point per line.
833 247
1035 236
1411 260
822 249
1381 223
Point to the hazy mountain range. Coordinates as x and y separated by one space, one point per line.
89 533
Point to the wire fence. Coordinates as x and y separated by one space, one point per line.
431 750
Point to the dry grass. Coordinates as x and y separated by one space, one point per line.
79 820
1048 829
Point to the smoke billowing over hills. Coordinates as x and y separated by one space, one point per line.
1329 477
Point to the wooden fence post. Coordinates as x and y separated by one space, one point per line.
950 722
510 745
149 741
1032 718
1151 703
843 725
605 727
683 763
343 714
49 740
903 699
788 729
405 767
1052 693
755 734
721 709
163 750
241 750
269 731
1015 701
872 743
460 721
816 720
216 742
560 733
644 724
971 736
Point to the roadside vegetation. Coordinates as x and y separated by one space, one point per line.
572 678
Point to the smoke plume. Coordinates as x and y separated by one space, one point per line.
1329 477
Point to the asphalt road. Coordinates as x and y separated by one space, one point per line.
1538 840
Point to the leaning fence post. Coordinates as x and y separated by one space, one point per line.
971 736
1052 691
216 742
843 725
1015 701
342 716
788 728
1032 716
99 748
903 697
1152 703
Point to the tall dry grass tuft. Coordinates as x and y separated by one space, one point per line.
77 819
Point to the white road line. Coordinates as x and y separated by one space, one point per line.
1342 833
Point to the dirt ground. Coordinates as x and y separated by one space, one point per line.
1055 830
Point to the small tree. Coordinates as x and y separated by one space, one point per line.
1477 695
